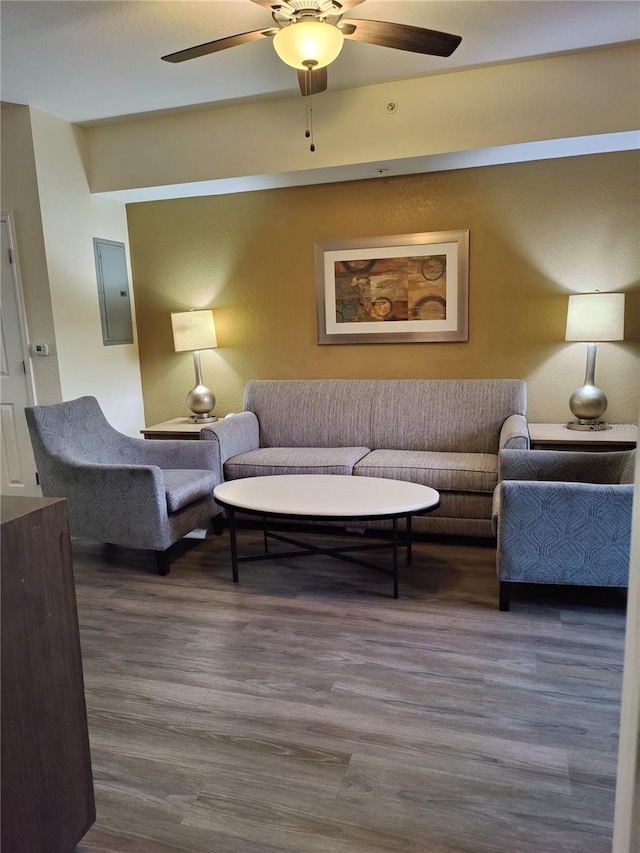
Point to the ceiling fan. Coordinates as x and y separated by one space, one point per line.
310 33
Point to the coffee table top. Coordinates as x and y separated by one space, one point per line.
333 496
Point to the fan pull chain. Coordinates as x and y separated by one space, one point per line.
309 64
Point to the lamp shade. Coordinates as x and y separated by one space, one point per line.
595 317
193 330
313 42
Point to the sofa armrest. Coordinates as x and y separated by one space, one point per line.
563 465
236 434
514 433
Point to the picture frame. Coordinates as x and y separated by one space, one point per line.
405 288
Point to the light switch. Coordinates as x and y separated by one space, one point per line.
39 350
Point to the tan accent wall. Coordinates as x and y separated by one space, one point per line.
538 231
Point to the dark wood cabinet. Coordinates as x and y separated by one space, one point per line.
47 786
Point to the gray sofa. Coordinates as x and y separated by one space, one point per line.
441 433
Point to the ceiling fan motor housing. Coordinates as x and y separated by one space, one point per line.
292 11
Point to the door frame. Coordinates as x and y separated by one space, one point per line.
9 220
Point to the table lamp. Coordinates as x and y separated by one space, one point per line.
194 331
592 317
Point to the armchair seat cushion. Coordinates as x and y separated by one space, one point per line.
465 472
293 460
183 487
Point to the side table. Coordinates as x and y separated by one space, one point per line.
558 437
181 428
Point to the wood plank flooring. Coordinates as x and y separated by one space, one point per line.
304 710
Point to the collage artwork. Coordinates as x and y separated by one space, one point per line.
387 289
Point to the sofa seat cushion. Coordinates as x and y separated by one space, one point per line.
293 460
183 487
464 472
464 505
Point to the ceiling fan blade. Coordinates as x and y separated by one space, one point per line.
402 37
218 44
317 78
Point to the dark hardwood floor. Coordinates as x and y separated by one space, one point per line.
305 710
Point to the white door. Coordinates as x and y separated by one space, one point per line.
17 465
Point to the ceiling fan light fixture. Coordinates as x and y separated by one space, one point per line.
305 44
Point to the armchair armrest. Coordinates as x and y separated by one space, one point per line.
564 465
558 532
237 434
119 503
514 433
170 454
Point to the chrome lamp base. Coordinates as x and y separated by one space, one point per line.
202 419
588 403
200 399
588 426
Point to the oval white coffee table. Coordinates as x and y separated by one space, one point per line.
325 497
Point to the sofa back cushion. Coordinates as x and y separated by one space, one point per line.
457 415
312 412
445 415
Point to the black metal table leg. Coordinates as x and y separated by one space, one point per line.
232 538
395 557
398 539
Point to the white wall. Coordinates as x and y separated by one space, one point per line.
19 194
70 218
576 95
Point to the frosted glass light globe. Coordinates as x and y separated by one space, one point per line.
313 42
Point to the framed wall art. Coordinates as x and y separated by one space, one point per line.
399 289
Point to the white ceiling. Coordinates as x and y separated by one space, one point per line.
90 60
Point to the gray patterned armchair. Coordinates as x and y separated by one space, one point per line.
563 518
120 490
